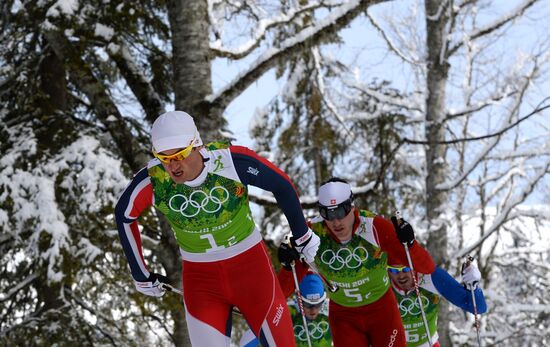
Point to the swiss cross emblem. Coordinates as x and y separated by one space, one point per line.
333 201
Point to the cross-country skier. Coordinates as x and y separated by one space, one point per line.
432 287
315 303
202 191
353 254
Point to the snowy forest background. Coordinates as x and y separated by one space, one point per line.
436 108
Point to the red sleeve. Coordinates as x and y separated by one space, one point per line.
286 280
388 241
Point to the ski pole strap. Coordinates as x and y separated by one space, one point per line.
331 287
169 288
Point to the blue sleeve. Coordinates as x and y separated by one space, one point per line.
253 343
259 172
136 197
456 293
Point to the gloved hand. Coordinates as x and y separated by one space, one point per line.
307 245
404 230
471 276
287 254
152 286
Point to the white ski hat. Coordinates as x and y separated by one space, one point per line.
174 129
334 193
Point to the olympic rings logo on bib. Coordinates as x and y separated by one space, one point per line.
345 257
316 330
412 306
190 206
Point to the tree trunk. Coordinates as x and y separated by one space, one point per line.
144 92
189 25
437 21
52 83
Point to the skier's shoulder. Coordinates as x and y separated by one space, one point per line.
317 225
217 145
217 149
366 213
140 178
426 281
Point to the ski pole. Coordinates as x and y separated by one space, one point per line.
170 288
300 303
469 260
416 289
475 316
331 286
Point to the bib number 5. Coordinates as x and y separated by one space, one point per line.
355 294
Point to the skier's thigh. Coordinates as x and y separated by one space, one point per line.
345 333
207 309
261 300
203 334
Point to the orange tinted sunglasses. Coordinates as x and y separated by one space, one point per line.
180 155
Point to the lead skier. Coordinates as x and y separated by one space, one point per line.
202 191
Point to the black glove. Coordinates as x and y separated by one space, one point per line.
287 255
404 230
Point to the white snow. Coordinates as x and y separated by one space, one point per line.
65 7
104 31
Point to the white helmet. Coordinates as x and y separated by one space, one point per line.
174 129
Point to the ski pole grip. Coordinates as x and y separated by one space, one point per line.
469 260
398 217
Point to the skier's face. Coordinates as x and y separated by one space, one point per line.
401 275
186 169
312 311
342 228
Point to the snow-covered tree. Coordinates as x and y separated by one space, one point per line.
80 84
464 97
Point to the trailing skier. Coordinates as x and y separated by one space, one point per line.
355 245
432 287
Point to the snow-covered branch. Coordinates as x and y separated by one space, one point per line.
148 98
406 104
505 214
493 141
260 31
392 46
491 27
480 105
107 111
308 201
15 289
96 314
326 97
338 18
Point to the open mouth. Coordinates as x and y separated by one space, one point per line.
177 173
403 282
